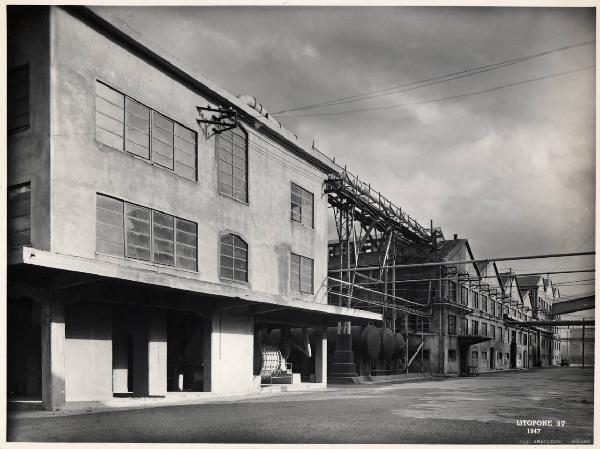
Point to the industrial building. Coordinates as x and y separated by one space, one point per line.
148 253
166 236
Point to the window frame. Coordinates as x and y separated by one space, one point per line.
247 153
220 254
452 328
152 260
312 284
151 110
302 205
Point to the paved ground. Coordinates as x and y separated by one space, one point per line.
484 409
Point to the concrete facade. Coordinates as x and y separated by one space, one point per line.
120 326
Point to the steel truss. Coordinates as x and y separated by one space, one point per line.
369 226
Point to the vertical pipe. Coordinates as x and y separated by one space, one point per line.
406 339
583 345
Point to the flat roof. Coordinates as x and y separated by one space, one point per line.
186 281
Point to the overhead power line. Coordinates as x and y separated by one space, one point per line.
453 97
468 262
431 81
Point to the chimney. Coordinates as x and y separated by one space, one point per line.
455 236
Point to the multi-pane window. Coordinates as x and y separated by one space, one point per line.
233 251
484 355
18 99
475 327
418 324
475 297
500 334
451 324
452 291
484 329
475 355
125 124
128 230
302 206
19 215
301 273
232 154
463 326
464 295
499 307
484 303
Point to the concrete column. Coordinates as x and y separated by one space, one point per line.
120 361
321 356
140 355
53 353
206 352
157 353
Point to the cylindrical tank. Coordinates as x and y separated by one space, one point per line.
398 346
370 342
387 344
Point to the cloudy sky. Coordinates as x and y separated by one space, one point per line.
512 170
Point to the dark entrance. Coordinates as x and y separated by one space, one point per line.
185 352
24 348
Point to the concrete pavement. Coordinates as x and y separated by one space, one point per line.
483 409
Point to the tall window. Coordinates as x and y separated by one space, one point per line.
464 295
452 291
452 324
128 230
475 296
301 274
484 303
475 327
232 154
233 251
493 332
463 326
500 334
125 124
484 329
302 206
18 99
19 215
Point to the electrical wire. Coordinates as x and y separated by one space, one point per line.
452 97
434 80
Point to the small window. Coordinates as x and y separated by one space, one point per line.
232 155
452 324
484 355
19 215
474 355
302 202
451 354
475 297
18 99
233 258
452 291
301 274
